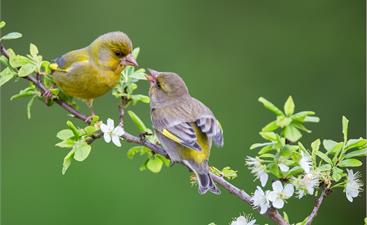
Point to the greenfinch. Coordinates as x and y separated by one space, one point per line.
184 126
92 71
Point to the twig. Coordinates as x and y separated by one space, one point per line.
272 213
316 208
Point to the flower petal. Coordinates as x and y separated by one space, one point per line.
277 186
116 140
110 123
272 196
104 128
264 208
288 190
263 179
107 137
349 197
279 203
283 167
118 131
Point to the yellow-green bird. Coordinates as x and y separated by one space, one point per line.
185 127
92 71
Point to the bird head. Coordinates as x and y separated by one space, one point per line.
113 51
165 87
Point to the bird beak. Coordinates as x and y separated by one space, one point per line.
152 75
129 60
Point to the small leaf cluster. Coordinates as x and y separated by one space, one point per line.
77 141
153 162
278 153
128 83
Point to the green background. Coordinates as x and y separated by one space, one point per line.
229 53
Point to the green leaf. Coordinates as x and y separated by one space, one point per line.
267 155
6 75
270 106
357 153
82 150
18 61
312 119
26 69
315 146
65 134
336 149
337 174
138 149
283 121
289 106
324 167
258 145
292 133
356 143
138 75
271 136
2 24
329 144
265 149
165 161
345 123
73 128
137 121
67 161
324 157
4 61
140 98
10 36
33 50
29 106
154 164
135 52
68 143
286 218
89 130
29 91
229 173
350 163
270 126
300 116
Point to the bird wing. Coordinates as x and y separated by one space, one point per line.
67 60
184 134
212 128
181 122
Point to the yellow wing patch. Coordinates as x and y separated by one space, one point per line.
171 136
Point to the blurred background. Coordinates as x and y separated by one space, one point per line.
229 53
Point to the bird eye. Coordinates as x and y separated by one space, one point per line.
119 54
158 84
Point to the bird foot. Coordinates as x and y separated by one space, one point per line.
89 119
143 136
47 96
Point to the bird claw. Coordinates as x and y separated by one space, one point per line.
89 119
143 136
47 96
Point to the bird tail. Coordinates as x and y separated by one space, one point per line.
206 184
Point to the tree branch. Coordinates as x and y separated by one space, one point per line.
316 208
272 213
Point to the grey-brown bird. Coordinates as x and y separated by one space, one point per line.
185 127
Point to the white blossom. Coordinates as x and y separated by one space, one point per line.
305 162
257 169
110 132
243 220
306 183
279 194
353 185
284 168
260 199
